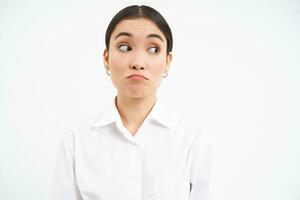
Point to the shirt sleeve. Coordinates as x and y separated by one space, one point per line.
200 168
64 185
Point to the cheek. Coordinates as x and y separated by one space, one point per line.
117 64
158 66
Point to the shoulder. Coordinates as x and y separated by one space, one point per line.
188 126
192 125
195 131
83 128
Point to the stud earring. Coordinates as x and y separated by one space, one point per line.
166 74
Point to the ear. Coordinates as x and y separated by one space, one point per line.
105 59
169 60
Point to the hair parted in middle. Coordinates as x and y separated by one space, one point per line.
142 11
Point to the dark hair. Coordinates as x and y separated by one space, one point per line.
136 11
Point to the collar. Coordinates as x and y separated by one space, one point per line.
110 114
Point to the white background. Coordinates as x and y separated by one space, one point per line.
236 69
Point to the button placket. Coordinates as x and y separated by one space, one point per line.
135 173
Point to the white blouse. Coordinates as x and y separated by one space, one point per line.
169 158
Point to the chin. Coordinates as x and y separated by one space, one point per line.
137 96
134 94
136 91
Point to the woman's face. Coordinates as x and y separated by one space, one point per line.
137 46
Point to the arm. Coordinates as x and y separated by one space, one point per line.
64 185
200 168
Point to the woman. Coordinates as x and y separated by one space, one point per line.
136 148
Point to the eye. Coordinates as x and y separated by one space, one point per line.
154 50
124 47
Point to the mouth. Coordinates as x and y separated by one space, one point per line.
137 77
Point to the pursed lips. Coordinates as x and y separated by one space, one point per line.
138 75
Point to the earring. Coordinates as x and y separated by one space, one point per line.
166 74
107 72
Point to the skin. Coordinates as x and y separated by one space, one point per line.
136 54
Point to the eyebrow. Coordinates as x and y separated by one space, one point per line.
153 35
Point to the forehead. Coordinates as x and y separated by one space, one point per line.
140 27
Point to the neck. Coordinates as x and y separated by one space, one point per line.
133 111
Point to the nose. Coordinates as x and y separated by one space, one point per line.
138 61
136 67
